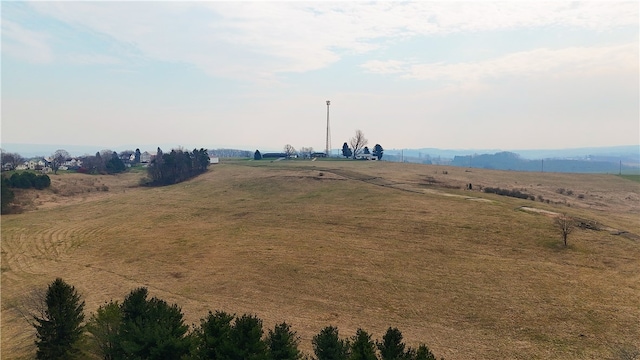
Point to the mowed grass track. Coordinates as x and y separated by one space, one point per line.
351 244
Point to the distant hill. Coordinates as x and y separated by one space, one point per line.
579 160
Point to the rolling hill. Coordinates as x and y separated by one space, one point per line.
351 244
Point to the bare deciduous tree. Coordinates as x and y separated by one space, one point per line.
289 151
565 224
33 305
306 152
14 159
58 158
358 142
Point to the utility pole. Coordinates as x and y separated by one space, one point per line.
327 148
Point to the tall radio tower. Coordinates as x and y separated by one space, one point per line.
327 148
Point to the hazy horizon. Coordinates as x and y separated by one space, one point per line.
247 75
33 150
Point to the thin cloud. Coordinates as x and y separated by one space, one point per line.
245 40
573 61
92 59
24 44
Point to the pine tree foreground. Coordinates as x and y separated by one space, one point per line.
59 329
149 328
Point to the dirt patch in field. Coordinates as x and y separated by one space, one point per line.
538 211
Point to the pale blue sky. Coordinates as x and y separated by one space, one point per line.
256 75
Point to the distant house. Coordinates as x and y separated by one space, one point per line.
318 154
35 164
214 160
73 163
366 157
146 157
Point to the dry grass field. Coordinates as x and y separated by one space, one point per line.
351 244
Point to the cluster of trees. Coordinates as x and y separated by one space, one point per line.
149 328
109 162
177 166
358 145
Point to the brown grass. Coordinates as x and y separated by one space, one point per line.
365 244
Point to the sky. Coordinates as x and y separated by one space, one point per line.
257 75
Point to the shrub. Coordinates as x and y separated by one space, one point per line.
27 180
7 196
505 192
41 182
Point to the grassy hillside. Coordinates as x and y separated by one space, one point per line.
351 244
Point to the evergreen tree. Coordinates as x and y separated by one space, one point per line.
366 150
136 159
346 151
282 343
213 338
104 327
423 353
392 347
327 345
257 155
151 329
115 164
378 151
59 328
246 335
362 347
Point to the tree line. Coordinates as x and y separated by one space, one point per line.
149 328
355 146
176 166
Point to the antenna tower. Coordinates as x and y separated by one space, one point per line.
327 148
